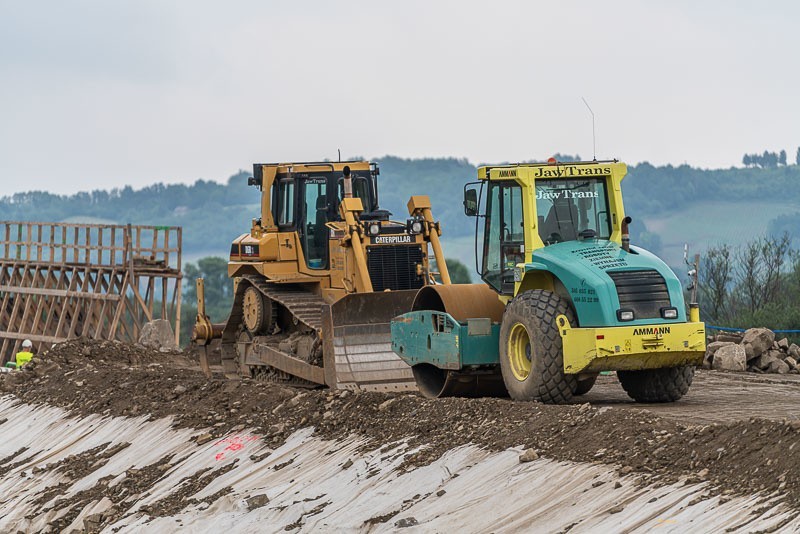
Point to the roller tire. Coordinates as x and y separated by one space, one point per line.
546 382
657 385
585 385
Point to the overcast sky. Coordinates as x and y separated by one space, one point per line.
99 94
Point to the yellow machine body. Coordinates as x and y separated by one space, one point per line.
321 273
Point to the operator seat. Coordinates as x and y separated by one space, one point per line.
561 219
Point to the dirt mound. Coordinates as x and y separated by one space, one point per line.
108 378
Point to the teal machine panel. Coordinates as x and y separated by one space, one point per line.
436 338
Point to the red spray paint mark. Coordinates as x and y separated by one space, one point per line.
233 444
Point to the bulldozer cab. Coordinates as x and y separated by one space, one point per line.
527 207
307 200
319 277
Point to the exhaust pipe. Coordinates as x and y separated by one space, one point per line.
626 238
348 182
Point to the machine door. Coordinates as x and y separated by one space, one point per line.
503 236
313 232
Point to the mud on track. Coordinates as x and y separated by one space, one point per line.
711 435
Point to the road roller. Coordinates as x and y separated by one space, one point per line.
565 296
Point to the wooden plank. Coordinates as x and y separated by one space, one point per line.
75 251
93 287
179 289
28 241
7 296
23 323
63 310
63 293
52 256
88 251
38 312
73 307
39 242
104 282
59 280
32 337
15 307
120 307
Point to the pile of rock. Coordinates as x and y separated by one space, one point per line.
756 350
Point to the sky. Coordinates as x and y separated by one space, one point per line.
97 94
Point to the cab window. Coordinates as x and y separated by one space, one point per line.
565 208
285 203
504 235
314 238
360 190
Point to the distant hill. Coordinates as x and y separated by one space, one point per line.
671 205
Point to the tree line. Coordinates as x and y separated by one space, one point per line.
769 159
755 284
212 214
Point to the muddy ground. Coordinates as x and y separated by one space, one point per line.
740 432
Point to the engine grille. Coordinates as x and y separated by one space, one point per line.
394 267
644 292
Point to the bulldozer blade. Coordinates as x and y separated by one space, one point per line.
357 342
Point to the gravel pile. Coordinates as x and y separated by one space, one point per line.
756 351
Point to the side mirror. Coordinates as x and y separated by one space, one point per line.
471 202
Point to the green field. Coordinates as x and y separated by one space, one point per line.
707 224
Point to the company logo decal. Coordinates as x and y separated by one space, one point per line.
544 194
651 330
565 172
391 239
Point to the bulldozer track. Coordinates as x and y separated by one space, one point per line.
304 306
299 301
356 345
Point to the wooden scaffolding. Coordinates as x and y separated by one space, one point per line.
61 281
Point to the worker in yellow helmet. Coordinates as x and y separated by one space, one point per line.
25 355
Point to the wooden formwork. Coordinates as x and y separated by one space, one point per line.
61 281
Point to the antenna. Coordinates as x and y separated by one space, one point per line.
339 150
594 142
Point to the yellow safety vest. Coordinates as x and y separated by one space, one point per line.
23 357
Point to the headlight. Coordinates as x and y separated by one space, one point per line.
669 313
625 315
374 229
414 226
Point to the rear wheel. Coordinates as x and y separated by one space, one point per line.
531 352
657 385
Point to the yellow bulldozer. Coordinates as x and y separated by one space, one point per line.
319 277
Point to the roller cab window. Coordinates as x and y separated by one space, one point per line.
504 236
565 208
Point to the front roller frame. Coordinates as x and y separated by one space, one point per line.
631 348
